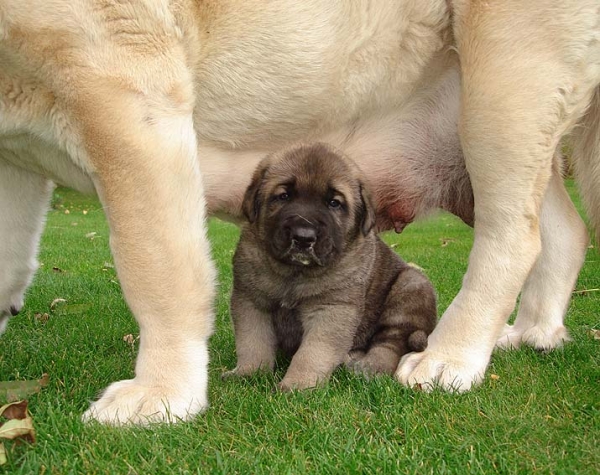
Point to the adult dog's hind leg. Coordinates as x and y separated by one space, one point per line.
547 290
24 198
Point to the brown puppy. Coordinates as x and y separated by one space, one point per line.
312 278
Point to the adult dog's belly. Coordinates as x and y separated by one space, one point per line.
298 69
378 81
410 156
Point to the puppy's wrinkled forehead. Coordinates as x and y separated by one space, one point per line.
314 168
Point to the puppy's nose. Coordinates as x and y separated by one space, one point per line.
304 237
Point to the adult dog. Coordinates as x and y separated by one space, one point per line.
311 277
164 108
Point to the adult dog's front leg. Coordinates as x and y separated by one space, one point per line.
512 117
147 176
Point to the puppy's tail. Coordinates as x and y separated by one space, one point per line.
417 341
586 160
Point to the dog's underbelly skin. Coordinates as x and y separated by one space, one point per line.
410 156
366 91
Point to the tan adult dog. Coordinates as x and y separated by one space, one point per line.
165 107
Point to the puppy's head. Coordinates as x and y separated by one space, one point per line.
307 204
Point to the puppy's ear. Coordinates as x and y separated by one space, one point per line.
252 203
366 214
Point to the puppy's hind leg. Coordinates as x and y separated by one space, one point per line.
24 198
408 316
547 290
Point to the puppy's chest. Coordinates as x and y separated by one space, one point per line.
290 294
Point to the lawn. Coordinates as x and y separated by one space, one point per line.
534 413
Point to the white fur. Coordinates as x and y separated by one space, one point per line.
179 396
24 199
548 287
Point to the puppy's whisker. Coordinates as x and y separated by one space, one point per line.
305 219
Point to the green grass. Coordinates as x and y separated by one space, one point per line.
541 414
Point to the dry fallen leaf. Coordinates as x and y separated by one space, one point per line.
42 317
130 339
14 410
495 377
56 302
595 334
18 426
15 428
446 241
11 391
91 235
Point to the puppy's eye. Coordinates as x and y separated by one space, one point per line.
285 196
334 204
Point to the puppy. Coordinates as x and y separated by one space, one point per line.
311 277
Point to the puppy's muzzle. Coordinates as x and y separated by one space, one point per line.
302 241
303 237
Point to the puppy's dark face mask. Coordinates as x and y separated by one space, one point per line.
305 226
307 206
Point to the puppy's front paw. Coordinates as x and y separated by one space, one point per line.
428 370
127 402
245 370
298 383
378 360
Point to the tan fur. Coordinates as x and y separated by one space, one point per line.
165 107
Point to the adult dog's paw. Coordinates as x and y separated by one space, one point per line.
538 337
300 382
127 402
510 339
546 339
428 370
